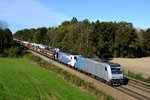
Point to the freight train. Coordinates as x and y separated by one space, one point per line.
110 73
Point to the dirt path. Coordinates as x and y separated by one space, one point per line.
139 65
109 90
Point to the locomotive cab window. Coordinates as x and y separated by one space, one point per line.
75 58
105 68
116 70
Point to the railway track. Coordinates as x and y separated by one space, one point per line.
119 95
136 89
140 86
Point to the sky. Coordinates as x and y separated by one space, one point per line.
21 14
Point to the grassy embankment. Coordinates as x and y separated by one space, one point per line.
22 79
137 76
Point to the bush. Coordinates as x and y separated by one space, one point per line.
137 76
14 51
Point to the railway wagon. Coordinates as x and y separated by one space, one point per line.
41 49
111 73
24 43
48 53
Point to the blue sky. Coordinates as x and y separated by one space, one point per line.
21 14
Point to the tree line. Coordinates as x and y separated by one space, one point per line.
8 47
92 39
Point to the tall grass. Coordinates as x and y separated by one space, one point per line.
69 77
137 76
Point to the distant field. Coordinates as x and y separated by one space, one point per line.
139 65
22 80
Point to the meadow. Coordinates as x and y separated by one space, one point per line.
21 79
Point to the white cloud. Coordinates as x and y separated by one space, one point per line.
29 13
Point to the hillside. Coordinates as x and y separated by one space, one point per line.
20 79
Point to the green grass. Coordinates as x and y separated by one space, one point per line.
137 76
22 80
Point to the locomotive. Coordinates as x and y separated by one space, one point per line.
109 72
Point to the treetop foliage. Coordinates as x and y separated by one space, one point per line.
8 47
92 39
3 24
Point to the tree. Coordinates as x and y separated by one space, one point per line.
125 38
6 38
7 46
74 20
96 39
103 37
52 35
40 34
146 41
3 24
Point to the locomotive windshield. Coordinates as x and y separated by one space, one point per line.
116 70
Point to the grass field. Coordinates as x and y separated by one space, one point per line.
22 80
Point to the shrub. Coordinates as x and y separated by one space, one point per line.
14 51
137 76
